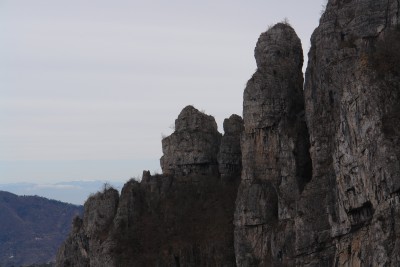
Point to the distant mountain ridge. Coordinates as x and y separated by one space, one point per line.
32 228
74 192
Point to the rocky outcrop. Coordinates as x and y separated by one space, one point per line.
181 218
193 147
88 242
230 154
276 163
343 211
320 172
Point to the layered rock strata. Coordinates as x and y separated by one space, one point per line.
181 218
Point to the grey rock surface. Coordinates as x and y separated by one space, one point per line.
230 154
355 156
193 147
346 212
87 244
32 228
276 163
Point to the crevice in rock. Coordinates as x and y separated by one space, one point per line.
361 215
303 158
177 261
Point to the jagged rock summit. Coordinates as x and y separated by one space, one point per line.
180 218
193 147
318 168
276 163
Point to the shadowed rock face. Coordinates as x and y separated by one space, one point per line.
230 154
343 211
181 218
87 244
276 164
32 228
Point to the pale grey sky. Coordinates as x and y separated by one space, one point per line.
87 87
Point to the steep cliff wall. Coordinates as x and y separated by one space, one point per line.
344 211
181 218
352 110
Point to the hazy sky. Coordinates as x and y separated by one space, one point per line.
87 87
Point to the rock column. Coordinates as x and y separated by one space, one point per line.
276 163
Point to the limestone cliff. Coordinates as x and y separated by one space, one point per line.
345 209
352 109
309 177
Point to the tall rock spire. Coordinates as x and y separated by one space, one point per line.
276 164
